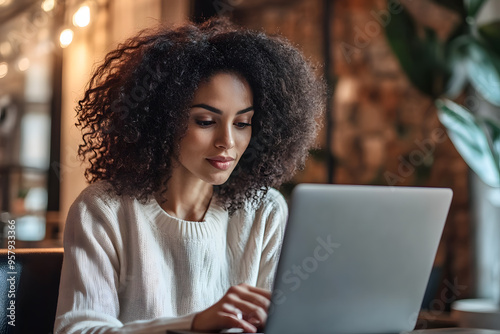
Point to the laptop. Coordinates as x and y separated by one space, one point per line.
355 259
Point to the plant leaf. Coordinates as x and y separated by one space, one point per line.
473 6
492 131
420 58
470 139
456 65
491 34
483 68
458 79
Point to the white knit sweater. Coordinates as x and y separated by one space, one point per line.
132 268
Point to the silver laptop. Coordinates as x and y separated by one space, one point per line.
356 259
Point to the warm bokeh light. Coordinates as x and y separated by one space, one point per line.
82 17
4 3
48 5
23 64
4 69
66 37
5 49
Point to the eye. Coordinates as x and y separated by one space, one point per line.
205 123
242 125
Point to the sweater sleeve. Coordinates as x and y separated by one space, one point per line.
88 293
273 237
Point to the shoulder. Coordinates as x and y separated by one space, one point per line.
271 216
275 200
96 189
272 205
97 197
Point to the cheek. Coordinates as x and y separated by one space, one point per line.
244 140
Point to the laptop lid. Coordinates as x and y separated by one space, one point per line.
356 259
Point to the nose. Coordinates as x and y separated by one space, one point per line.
225 138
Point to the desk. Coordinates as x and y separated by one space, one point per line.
420 331
455 331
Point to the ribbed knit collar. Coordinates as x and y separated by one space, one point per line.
215 219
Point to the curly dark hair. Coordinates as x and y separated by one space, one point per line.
136 107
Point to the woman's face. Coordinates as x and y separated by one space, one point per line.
219 128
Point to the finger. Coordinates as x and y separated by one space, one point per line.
249 309
251 318
255 298
259 296
231 309
263 292
231 321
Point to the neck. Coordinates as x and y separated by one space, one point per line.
186 198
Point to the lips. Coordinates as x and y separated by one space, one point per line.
221 162
221 158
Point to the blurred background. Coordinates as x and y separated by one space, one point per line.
381 128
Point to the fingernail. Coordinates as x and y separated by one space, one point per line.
254 321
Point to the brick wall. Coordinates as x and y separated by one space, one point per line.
384 131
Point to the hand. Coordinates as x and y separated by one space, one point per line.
243 306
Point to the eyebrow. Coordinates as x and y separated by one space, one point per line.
218 111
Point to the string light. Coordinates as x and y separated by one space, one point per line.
66 37
48 5
4 69
82 17
23 64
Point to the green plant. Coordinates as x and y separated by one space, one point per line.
443 68
476 138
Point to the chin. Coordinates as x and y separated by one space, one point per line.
216 181
220 180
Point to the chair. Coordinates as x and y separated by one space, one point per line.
36 285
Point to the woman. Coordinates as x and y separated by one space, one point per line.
186 130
